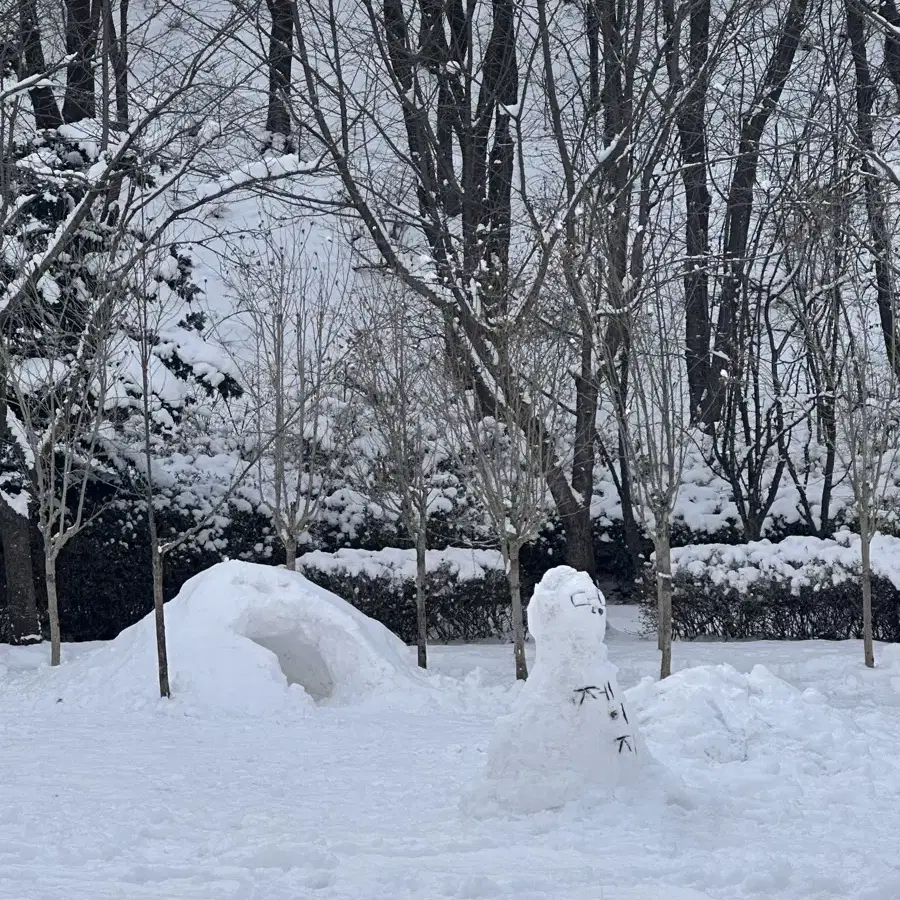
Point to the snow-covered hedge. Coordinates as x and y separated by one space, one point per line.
466 589
798 588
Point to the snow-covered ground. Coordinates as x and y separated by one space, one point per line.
791 788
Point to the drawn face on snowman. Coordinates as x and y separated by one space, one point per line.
567 612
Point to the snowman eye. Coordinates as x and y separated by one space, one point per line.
585 602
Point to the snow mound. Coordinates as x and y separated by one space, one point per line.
249 639
717 715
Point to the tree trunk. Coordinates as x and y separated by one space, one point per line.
865 545
20 598
281 37
421 617
118 54
81 41
52 607
46 109
518 620
664 597
579 541
290 555
879 228
690 119
156 561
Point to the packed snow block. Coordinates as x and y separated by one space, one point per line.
467 590
718 716
569 736
251 639
801 588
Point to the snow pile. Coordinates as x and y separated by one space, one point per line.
715 715
244 638
568 736
799 561
462 563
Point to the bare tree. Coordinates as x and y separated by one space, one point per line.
654 427
159 420
435 122
509 463
291 290
177 145
868 417
58 380
395 354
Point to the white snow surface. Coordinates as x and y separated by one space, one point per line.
786 754
568 737
242 639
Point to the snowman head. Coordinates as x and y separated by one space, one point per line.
567 611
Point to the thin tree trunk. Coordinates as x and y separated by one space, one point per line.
156 561
281 37
421 616
20 597
518 620
664 597
290 555
118 54
52 607
865 541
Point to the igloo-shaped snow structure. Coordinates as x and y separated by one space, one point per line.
569 736
249 638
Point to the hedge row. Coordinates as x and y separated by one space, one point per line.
467 591
800 589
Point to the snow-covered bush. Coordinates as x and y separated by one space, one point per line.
467 593
800 588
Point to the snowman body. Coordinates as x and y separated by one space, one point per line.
569 735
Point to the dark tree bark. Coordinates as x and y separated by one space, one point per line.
18 566
118 55
518 623
82 24
691 124
875 202
281 48
891 15
46 109
421 610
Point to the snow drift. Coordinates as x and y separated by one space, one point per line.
244 638
716 715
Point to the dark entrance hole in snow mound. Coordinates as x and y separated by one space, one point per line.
300 661
240 636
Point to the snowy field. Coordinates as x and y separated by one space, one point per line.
790 787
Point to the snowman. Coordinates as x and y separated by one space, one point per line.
569 736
